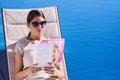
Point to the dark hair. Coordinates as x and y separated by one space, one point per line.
33 13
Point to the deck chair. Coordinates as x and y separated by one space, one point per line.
15 28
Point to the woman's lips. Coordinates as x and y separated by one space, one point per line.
39 31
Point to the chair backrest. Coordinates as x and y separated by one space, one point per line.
15 28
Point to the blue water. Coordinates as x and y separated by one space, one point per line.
92 32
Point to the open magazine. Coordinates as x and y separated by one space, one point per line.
48 51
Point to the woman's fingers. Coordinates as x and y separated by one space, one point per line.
34 65
49 70
35 69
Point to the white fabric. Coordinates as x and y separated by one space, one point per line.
26 47
15 29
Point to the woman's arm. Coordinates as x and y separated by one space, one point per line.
19 72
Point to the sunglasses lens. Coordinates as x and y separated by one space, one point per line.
35 24
43 23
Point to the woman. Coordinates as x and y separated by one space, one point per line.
24 67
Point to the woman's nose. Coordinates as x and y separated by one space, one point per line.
40 27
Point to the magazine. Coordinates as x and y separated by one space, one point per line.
47 50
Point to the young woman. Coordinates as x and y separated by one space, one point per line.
24 67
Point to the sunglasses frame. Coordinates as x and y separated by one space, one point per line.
36 24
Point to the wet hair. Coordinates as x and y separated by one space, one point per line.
33 13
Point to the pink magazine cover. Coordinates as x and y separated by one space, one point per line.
60 43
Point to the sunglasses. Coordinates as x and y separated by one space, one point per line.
42 23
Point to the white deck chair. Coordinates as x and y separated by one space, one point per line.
15 29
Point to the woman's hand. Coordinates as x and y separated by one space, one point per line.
49 70
54 72
33 69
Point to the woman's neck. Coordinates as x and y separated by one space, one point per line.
38 37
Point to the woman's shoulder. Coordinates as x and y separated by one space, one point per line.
23 41
20 45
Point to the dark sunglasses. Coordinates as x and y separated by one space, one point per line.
36 24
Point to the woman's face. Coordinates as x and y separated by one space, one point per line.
37 25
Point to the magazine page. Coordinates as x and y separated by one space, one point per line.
43 53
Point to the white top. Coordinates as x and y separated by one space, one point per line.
25 47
